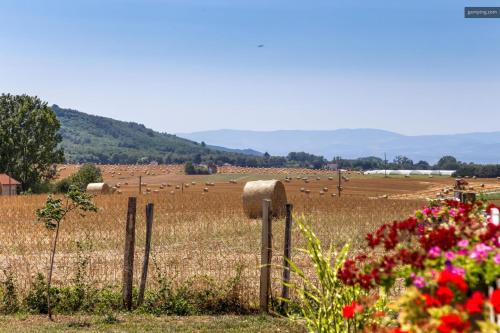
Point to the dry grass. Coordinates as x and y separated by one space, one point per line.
197 233
194 234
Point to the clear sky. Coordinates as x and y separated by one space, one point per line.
415 67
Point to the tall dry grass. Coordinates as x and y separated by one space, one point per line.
194 234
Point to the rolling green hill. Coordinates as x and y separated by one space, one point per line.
88 138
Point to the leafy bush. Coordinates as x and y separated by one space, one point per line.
88 173
191 169
36 300
10 302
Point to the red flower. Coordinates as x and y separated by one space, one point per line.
452 322
447 277
398 330
495 300
348 311
430 301
445 295
475 303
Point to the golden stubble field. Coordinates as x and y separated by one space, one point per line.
198 233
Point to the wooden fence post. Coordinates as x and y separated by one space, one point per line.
147 250
265 256
140 184
128 259
287 254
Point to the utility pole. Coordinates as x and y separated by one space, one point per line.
339 170
385 165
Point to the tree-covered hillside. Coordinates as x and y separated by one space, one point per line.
88 138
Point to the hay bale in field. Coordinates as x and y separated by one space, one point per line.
256 191
325 189
205 189
101 188
330 178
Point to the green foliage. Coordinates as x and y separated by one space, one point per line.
10 301
29 136
191 169
53 214
196 296
36 300
478 170
322 299
55 209
305 160
88 173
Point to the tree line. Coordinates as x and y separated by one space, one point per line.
31 144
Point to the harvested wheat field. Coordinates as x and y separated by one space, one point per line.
196 232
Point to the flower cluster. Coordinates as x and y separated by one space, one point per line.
449 255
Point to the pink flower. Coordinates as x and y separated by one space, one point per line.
426 210
435 211
449 255
419 282
496 258
453 212
463 243
458 271
480 252
462 252
434 252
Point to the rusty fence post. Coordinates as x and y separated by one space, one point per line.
128 258
147 250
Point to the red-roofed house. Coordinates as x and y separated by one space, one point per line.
8 185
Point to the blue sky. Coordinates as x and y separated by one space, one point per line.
415 67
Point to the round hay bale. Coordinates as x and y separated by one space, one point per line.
101 188
256 191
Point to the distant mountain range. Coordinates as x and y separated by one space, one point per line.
353 143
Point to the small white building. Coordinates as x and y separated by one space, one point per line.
8 185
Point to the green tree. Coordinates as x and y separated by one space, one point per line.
29 139
88 173
448 163
189 168
53 213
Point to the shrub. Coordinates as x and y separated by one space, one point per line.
88 173
10 302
